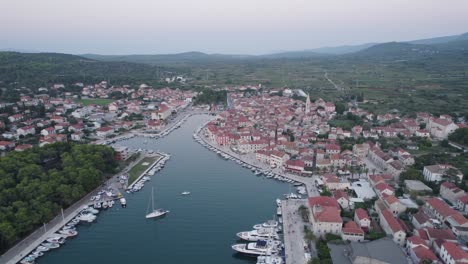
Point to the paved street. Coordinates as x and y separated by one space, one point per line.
293 226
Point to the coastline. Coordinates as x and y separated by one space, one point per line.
28 244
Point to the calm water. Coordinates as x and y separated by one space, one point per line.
200 228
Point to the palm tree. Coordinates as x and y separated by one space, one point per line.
366 170
373 171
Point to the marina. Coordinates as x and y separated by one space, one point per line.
223 200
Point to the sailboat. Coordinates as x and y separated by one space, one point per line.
154 213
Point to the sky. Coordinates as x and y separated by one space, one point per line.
220 26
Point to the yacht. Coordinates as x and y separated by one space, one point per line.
258 248
86 217
267 224
258 234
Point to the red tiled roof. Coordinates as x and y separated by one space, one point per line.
454 251
441 207
329 214
390 199
323 201
445 234
352 228
361 214
392 222
424 253
340 194
417 241
383 186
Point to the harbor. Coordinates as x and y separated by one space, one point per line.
202 226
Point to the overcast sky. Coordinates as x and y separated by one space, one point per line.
220 26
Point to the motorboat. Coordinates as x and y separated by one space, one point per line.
267 224
68 232
28 260
37 253
261 247
86 217
123 202
56 240
42 248
154 213
185 193
50 245
258 234
97 205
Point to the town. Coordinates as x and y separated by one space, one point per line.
368 180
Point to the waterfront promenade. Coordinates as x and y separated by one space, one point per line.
293 230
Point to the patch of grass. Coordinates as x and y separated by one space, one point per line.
102 102
139 168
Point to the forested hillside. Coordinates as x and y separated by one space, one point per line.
42 69
36 183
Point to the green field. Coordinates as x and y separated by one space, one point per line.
139 168
102 102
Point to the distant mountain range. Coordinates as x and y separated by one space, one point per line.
422 47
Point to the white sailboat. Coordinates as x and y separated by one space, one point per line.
154 213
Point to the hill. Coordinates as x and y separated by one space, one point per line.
36 69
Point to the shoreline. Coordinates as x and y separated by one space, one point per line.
28 244
309 182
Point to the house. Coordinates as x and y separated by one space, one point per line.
121 153
450 192
77 136
421 220
23 147
162 113
352 232
451 253
24 131
154 125
437 208
48 131
332 149
278 158
15 118
295 165
325 216
419 251
462 204
392 227
393 204
362 218
436 172
6 145
332 182
440 128
104 131
342 199
384 189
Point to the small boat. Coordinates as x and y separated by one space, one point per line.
278 202
185 193
97 205
42 248
105 205
123 202
56 240
68 232
50 245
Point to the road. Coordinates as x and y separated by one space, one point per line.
330 81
